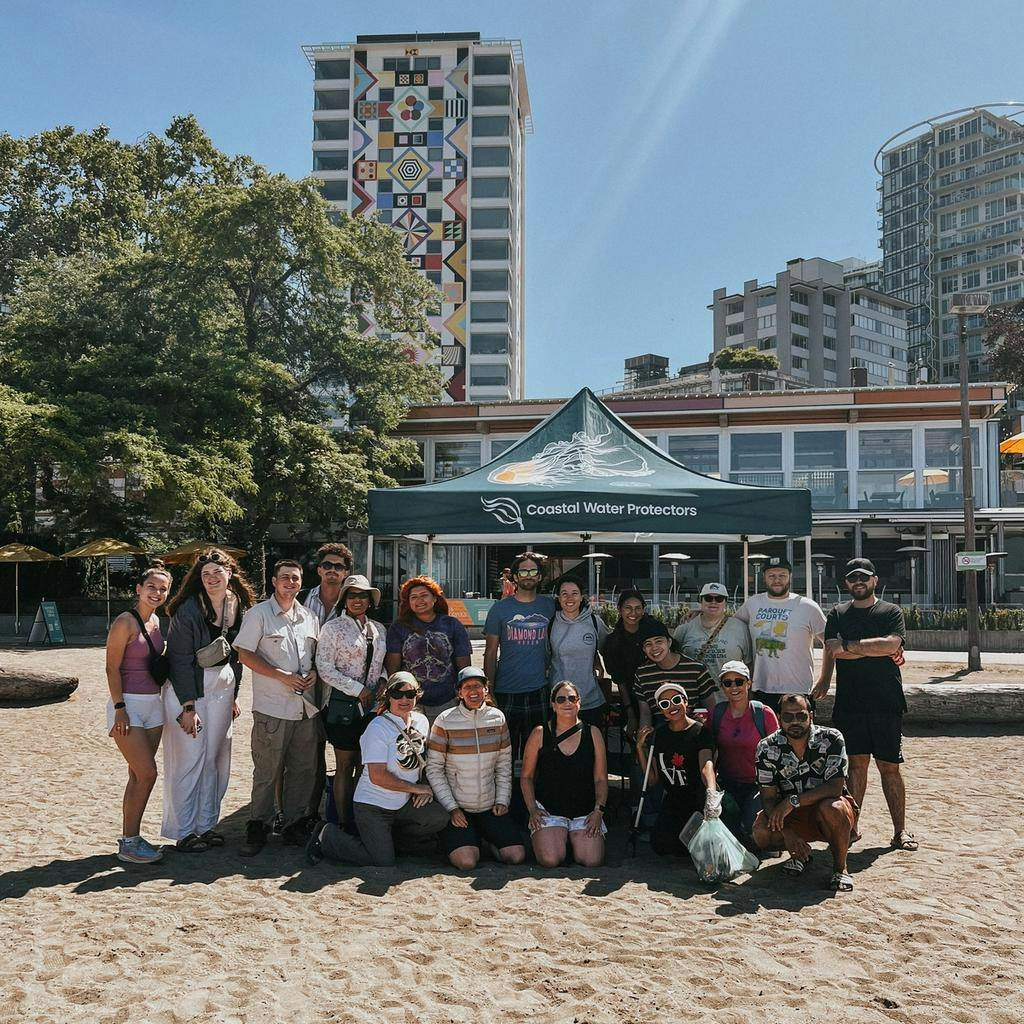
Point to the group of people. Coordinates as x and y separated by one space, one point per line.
720 715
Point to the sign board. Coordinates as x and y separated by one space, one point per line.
470 611
970 302
47 627
971 561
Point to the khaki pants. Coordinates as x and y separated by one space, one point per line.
277 744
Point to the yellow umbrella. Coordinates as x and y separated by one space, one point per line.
17 553
929 476
1012 445
189 552
104 548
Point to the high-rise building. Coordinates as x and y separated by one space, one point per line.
640 371
425 132
950 199
818 325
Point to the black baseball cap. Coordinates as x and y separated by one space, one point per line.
777 562
860 567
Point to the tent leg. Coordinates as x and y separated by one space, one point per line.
369 557
807 559
430 555
746 568
655 562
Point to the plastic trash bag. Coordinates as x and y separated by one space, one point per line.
717 854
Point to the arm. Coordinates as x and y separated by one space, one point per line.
645 733
491 657
181 648
380 776
828 661
707 770
392 663
874 647
782 808
118 638
596 816
527 774
437 754
503 774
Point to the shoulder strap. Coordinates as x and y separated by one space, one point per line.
569 732
717 715
145 632
710 640
758 710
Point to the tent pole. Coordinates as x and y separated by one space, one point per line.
17 610
369 557
655 563
807 559
430 555
590 570
106 573
746 569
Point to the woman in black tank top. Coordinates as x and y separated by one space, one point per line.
565 784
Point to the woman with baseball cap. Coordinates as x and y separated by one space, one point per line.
713 637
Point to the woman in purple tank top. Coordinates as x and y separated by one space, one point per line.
135 717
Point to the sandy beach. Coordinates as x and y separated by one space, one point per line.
925 937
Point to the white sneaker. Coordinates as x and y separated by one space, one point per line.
135 850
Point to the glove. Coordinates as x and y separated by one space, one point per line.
713 804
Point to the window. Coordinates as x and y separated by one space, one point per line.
764 344
829 343
698 452
490 127
500 444
488 312
488 344
734 307
453 458
766 300
799 363
756 459
323 130
829 364
943 486
490 280
733 329
492 96
972 280
996 274
490 156
801 319
969 216
334 191
489 218
490 188
886 458
491 64
330 160
332 69
819 464
413 474
801 297
995 208
489 249
331 99
488 376
766 321
829 299
828 320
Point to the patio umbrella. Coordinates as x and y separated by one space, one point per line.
17 553
929 476
189 552
1012 445
104 548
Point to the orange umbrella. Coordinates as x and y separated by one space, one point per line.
104 548
22 553
1012 445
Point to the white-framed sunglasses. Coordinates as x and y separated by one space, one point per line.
667 702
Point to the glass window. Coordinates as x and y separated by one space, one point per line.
943 474
453 458
490 280
698 452
492 96
489 312
334 191
734 307
499 445
488 376
491 64
489 249
886 459
490 218
413 474
757 459
819 464
331 99
733 329
330 160
332 69
330 130
488 344
490 127
490 156
490 188
766 300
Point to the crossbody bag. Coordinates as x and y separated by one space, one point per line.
218 650
159 664
343 709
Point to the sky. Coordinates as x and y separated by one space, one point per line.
679 146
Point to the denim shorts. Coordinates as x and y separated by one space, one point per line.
145 711
569 824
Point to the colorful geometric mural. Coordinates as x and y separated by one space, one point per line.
409 151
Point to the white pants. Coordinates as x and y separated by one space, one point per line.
196 768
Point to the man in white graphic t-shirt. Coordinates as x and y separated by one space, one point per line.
783 627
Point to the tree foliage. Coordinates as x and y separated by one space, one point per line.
1004 338
740 359
198 324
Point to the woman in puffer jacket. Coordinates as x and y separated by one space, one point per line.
469 768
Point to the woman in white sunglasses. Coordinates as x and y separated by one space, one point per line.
682 759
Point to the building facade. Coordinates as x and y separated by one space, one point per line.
816 324
951 217
426 133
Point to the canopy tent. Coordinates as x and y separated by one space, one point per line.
584 472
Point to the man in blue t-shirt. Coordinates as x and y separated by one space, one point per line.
515 656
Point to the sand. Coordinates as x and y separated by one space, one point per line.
927 936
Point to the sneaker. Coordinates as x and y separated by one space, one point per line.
298 832
135 850
255 839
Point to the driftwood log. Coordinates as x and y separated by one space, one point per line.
953 702
30 687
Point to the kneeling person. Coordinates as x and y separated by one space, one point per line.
469 767
802 771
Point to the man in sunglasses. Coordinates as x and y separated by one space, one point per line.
713 638
333 565
802 771
515 651
864 640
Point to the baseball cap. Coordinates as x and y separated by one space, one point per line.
471 672
860 567
714 588
665 687
777 562
734 666
651 627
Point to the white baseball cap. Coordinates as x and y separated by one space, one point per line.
714 588
734 666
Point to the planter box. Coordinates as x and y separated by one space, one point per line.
996 640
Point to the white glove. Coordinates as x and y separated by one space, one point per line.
713 804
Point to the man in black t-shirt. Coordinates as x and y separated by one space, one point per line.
864 642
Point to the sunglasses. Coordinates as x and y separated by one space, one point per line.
216 559
794 716
404 694
713 598
356 595
340 566
566 698
668 702
734 682
528 573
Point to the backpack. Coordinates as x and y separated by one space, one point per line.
719 713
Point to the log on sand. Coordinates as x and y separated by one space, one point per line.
23 687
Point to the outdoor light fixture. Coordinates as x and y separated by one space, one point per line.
675 557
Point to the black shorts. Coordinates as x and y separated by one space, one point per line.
877 734
498 829
346 737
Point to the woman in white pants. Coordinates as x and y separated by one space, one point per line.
200 704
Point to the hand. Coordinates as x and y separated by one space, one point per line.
190 722
235 710
294 681
834 646
536 821
422 789
421 800
779 814
121 722
712 805
797 847
631 724
821 688
458 818
642 733
593 827
366 697
499 809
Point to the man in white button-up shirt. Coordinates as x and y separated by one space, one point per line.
277 641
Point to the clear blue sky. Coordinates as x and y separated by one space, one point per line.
680 145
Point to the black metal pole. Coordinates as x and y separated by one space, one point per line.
967 471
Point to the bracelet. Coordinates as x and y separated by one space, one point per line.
119 705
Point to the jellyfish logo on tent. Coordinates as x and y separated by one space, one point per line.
566 462
505 510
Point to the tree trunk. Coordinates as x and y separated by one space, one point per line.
32 687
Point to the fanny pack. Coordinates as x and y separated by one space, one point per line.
218 650
159 664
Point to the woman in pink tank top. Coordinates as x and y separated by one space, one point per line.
135 709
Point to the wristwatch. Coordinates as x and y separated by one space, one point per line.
119 705
794 799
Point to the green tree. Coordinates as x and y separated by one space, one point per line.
739 359
1004 338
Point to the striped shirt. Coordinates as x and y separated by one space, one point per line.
688 674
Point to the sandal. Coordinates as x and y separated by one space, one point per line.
795 867
192 844
212 838
904 841
841 882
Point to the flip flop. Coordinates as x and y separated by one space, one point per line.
841 882
905 841
795 867
212 838
192 844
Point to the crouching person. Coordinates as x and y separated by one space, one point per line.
392 806
802 771
469 767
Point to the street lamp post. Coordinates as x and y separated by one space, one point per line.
912 551
675 557
967 304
